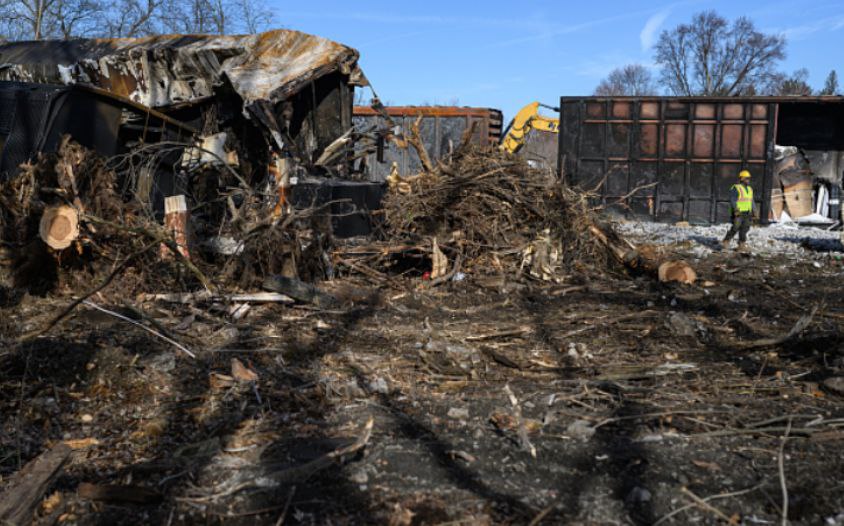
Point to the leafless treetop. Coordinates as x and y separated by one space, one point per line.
629 80
710 56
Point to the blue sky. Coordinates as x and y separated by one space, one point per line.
505 54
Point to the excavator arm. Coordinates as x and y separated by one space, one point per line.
527 119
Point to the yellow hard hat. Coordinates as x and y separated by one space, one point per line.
744 174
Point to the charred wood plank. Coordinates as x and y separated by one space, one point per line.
26 487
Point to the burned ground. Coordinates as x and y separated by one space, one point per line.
499 355
640 399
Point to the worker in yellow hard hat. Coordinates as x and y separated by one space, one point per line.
742 208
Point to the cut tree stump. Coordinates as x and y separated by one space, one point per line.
176 219
27 486
679 271
59 226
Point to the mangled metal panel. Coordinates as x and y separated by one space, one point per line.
540 149
441 129
163 70
169 70
826 166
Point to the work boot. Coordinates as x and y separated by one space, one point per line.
742 247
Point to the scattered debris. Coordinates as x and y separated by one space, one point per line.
458 413
682 325
580 429
522 428
241 373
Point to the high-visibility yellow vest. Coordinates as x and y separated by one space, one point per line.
745 198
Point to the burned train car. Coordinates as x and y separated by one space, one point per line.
281 93
276 107
675 158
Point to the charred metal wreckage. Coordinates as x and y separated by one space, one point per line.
271 102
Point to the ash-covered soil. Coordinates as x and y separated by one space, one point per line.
633 402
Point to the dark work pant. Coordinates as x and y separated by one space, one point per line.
741 224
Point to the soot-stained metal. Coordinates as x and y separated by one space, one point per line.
440 129
295 88
676 158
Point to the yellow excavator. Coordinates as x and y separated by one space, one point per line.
526 120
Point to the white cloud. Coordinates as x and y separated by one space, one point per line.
833 23
568 29
648 35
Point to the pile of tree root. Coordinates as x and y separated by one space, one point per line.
71 218
485 211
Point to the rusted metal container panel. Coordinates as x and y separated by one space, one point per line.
441 129
668 158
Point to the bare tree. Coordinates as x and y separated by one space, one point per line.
255 16
217 16
830 87
711 57
76 18
132 18
11 27
39 19
629 80
27 19
794 84
186 16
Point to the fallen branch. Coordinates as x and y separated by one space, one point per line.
142 326
207 297
706 500
542 514
781 468
706 506
801 431
283 515
466 136
157 238
415 140
520 331
458 261
795 331
67 310
299 290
